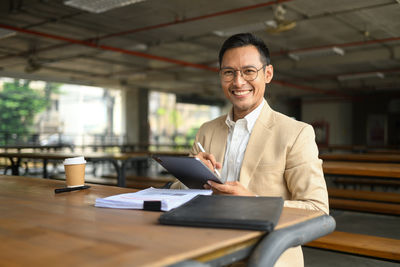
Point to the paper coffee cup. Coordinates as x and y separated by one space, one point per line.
75 171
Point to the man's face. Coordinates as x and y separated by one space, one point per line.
244 95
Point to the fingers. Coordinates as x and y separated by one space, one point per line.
212 159
218 165
230 188
220 188
209 160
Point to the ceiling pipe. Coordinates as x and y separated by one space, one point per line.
179 21
225 12
110 48
95 40
144 55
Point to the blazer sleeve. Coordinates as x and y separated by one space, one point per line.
193 151
304 175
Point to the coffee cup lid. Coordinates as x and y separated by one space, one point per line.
76 160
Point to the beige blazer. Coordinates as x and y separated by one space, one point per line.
281 159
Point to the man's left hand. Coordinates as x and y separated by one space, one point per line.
228 188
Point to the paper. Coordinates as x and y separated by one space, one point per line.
170 198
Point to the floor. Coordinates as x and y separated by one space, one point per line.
355 222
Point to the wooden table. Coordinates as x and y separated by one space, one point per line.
390 170
364 157
40 228
118 160
36 147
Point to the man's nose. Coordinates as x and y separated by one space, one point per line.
238 78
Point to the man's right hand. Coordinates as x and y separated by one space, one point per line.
209 160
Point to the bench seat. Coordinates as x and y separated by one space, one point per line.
364 195
364 206
365 245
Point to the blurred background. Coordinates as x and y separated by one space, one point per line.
117 81
78 72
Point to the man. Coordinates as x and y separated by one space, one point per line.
261 152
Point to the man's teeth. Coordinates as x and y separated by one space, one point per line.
240 92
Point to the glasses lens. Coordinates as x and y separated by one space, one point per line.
249 74
227 74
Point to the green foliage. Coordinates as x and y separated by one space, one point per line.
19 104
175 118
191 135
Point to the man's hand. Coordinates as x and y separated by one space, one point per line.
209 160
229 188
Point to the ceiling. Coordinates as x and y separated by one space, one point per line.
319 48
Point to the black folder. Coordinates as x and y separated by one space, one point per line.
221 211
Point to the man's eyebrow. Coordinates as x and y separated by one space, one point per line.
247 66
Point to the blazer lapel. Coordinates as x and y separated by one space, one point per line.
219 141
258 143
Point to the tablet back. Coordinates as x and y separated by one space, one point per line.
189 170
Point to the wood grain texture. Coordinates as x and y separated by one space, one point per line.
40 228
366 206
391 170
364 195
366 245
90 156
363 157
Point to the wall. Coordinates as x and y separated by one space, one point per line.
338 114
387 108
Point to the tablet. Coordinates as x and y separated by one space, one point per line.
189 170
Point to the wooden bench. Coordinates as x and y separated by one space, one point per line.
364 206
365 245
364 195
362 157
358 182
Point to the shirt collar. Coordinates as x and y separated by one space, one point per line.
250 118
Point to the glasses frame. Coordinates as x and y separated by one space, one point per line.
241 73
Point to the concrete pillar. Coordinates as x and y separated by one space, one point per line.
136 103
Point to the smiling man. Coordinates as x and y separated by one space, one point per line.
261 152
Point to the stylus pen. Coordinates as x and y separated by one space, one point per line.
69 189
202 150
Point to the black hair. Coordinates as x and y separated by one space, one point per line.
245 39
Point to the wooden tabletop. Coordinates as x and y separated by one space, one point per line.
92 155
390 170
40 228
368 157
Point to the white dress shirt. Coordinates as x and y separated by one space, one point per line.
238 137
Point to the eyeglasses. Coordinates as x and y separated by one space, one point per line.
248 73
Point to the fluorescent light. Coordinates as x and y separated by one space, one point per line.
139 47
359 76
5 33
99 6
244 28
298 55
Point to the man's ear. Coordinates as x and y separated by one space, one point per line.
268 73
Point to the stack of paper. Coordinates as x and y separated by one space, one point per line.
169 198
